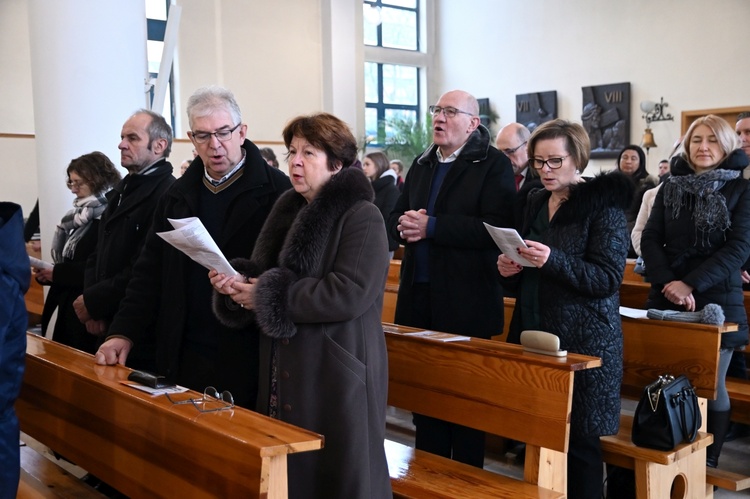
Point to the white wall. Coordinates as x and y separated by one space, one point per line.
271 55
688 51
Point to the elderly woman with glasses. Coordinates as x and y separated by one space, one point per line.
314 285
697 239
576 245
90 177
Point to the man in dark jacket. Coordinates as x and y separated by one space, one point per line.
231 188
146 140
449 279
14 282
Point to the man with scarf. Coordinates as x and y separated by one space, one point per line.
146 140
231 188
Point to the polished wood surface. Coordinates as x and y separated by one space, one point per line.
144 446
492 386
35 295
43 478
652 348
448 479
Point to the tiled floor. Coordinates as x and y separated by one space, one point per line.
735 455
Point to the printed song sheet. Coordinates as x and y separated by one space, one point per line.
39 264
191 237
508 240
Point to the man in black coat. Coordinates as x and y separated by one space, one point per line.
449 279
511 141
146 140
231 188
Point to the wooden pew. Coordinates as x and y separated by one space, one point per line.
652 348
488 385
629 275
144 446
35 294
391 291
43 478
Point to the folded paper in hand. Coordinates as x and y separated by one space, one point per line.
508 240
191 237
39 264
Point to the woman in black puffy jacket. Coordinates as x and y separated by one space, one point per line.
577 241
696 240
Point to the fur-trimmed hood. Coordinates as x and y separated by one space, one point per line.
476 148
606 190
290 246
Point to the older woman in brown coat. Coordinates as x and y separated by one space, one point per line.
314 284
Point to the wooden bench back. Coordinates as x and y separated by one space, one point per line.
652 348
144 446
484 384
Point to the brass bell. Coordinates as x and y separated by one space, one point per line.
647 142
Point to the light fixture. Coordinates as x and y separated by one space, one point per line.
654 111
373 15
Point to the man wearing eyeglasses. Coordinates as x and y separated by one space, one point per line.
447 281
145 143
511 141
231 188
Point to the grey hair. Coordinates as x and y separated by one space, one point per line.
207 100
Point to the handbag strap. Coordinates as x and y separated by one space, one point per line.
683 398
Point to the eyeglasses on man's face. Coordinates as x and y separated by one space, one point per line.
212 400
508 152
449 112
553 163
221 135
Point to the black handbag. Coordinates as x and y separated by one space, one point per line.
667 414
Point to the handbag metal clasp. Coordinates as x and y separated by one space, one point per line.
654 390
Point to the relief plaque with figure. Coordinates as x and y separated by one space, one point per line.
606 118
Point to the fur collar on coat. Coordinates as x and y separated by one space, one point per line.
291 245
476 148
606 190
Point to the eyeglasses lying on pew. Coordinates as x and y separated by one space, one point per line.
211 401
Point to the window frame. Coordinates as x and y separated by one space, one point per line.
418 59
155 30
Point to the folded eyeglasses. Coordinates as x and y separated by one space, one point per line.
211 401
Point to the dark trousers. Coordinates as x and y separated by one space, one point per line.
450 440
585 468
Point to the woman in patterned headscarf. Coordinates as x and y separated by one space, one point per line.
89 178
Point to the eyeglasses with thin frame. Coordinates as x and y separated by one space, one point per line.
221 135
74 183
508 152
553 163
449 112
211 397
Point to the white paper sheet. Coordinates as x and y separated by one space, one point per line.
192 238
438 336
39 264
633 313
508 240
